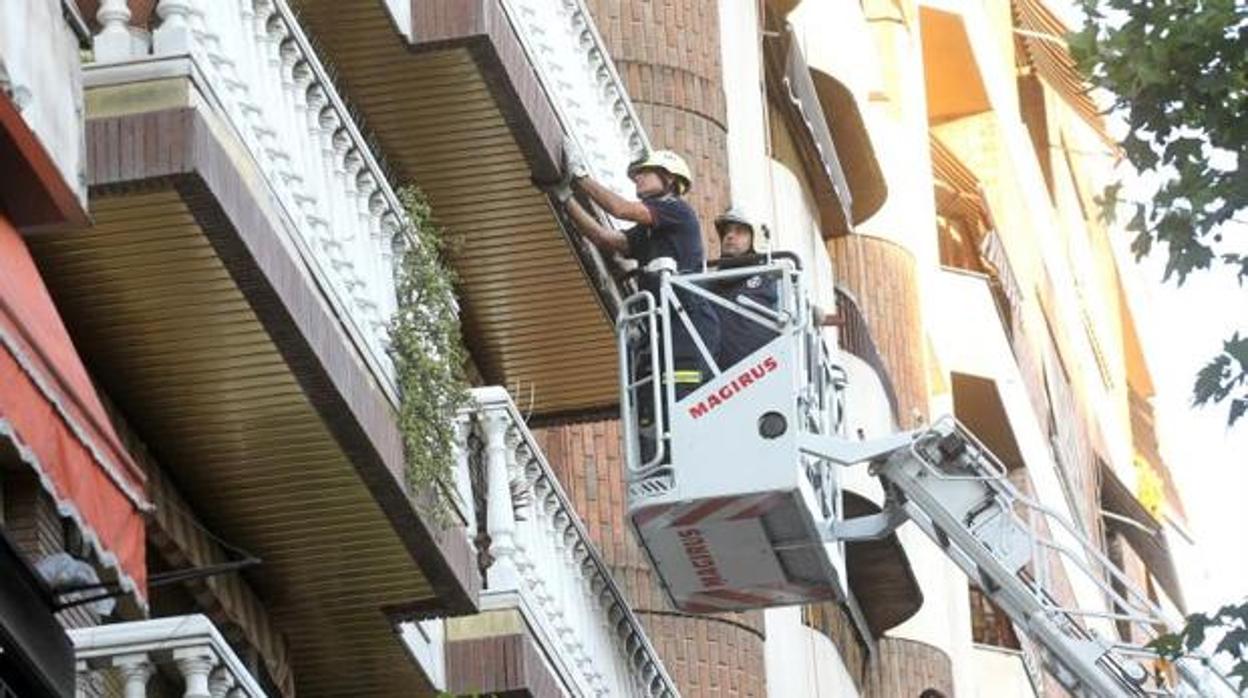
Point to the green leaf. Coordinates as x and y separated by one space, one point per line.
1239 407
1237 349
1209 381
1234 642
1169 645
428 357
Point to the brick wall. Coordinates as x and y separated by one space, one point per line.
884 278
907 668
32 523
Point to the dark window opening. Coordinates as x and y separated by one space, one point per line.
989 624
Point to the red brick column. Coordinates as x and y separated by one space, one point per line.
883 277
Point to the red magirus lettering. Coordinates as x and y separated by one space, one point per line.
734 387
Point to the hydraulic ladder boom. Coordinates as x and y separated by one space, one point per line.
1010 546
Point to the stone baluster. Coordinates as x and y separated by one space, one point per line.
307 148
525 543
288 57
114 42
276 32
340 143
365 187
379 269
353 241
244 47
500 518
547 592
262 11
134 670
392 246
173 36
463 474
318 175
513 441
221 682
195 664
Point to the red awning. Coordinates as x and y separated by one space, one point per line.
53 417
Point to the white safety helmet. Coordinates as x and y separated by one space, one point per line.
670 163
734 215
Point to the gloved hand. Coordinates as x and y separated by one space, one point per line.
560 188
573 160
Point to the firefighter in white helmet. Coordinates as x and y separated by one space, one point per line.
665 226
739 335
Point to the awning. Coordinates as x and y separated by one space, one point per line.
53 419
958 192
791 88
1143 533
1043 39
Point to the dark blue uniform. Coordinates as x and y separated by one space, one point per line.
739 335
676 234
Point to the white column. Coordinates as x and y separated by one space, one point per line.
195 663
174 33
463 475
113 43
500 517
135 670
220 682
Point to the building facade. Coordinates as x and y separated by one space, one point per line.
198 423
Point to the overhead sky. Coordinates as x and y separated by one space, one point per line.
1182 328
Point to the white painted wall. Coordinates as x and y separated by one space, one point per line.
964 336
39 60
801 661
998 673
744 95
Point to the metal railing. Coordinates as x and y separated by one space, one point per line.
855 338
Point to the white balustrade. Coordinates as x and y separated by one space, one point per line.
573 65
544 564
190 646
259 70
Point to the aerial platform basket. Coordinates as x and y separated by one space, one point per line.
729 509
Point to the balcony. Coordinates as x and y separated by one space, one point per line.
167 656
469 99
232 296
547 592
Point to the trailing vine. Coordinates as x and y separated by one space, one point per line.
429 358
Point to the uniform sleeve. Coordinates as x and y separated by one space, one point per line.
666 211
636 237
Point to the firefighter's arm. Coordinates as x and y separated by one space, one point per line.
613 203
604 238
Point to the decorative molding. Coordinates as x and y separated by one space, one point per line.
559 582
191 644
259 68
580 80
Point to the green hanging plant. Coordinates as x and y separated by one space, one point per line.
429 358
